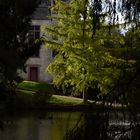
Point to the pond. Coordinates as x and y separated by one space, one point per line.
59 125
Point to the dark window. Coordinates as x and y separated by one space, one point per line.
35 31
37 28
35 34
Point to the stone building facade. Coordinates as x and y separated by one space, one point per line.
36 66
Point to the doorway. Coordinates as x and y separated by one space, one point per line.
33 73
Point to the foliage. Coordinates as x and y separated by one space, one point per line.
81 59
132 41
131 10
90 48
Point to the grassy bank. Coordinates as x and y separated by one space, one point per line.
64 100
30 97
32 93
34 86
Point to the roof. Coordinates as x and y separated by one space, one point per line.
42 11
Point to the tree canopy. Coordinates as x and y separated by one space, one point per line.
90 48
82 59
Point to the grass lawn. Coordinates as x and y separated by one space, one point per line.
64 100
34 86
26 92
28 97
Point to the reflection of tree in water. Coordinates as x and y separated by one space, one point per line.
119 132
89 126
96 126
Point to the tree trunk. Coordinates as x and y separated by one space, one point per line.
85 96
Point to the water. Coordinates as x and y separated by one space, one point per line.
37 126
43 125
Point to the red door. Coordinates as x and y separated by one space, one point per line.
33 73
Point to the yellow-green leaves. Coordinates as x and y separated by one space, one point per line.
82 57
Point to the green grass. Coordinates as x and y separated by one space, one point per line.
26 92
28 97
34 86
64 100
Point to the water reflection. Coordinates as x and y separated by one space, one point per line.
106 126
69 126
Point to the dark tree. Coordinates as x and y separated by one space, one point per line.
15 45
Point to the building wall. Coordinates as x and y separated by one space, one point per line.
45 55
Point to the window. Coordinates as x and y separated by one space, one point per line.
35 34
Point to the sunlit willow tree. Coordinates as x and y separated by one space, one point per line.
15 44
79 32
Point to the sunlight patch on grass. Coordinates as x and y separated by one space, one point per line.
34 86
64 100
